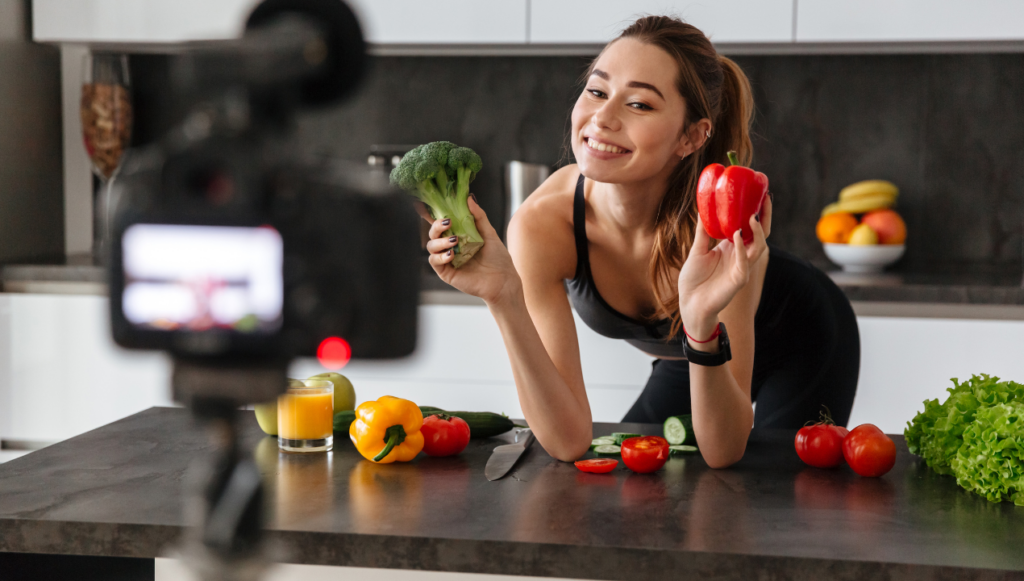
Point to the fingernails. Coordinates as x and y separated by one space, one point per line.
449 253
446 222
757 217
472 195
453 239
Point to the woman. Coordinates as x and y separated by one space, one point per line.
659 105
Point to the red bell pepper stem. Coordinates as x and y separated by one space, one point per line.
733 160
394 435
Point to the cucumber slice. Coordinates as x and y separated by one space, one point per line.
601 442
621 437
679 430
681 450
607 450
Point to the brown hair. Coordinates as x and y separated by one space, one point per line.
714 88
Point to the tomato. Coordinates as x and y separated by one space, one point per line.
645 453
868 451
820 445
444 435
597 465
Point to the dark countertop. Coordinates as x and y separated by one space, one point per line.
117 491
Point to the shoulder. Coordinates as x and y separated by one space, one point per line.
540 234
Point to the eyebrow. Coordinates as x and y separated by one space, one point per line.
632 84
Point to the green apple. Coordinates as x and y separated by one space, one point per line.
266 413
344 393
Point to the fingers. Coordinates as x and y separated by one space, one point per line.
766 215
439 227
741 264
759 244
701 240
483 225
423 211
441 258
440 245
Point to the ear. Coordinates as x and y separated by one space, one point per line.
694 137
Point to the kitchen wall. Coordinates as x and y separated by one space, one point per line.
948 129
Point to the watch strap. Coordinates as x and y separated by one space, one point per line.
710 359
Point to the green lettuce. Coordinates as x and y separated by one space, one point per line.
977 435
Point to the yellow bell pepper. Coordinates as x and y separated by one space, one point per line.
387 430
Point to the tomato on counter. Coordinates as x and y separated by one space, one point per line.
444 435
645 454
821 445
869 451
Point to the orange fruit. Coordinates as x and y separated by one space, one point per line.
888 224
836 228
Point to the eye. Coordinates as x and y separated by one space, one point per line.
597 93
641 106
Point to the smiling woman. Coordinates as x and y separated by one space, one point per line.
658 105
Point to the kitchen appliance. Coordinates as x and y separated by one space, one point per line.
503 458
521 179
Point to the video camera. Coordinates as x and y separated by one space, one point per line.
232 250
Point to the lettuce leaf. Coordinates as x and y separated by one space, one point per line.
940 432
991 460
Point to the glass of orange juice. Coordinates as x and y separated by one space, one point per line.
305 417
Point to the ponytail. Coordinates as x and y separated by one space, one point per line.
714 88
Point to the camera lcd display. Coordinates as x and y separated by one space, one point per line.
198 278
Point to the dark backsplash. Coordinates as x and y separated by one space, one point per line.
947 129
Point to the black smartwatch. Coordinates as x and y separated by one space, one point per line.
710 359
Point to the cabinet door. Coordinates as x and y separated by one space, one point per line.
442 21
909 20
905 361
598 21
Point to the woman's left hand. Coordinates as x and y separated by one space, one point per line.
711 277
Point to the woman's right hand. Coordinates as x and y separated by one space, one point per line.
489 275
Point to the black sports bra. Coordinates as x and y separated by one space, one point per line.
648 336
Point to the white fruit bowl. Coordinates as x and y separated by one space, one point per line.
861 259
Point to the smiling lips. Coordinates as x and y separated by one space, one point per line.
605 147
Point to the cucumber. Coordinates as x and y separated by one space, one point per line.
679 430
607 450
681 450
621 437
481 424
601 442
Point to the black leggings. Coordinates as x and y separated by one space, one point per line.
806 354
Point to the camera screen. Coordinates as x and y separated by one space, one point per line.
199 278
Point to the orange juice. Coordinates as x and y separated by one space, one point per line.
305 417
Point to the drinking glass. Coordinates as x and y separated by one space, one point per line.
305 417
106 111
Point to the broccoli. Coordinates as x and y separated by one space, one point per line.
439 174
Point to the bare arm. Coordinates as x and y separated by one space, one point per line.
536 323
716 285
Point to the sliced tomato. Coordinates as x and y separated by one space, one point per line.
597 465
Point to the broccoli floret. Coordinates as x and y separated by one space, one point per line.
439 174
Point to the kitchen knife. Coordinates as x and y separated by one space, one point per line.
503 458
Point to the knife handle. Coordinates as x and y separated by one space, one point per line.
525 436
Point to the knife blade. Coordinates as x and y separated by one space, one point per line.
503 458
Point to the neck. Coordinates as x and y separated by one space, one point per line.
633 206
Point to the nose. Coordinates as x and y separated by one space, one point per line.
605 117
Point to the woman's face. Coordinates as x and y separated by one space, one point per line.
627 125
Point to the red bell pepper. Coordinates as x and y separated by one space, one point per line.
728 196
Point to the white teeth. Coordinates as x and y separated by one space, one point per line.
604 146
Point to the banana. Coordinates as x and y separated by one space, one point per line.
860 205
869 188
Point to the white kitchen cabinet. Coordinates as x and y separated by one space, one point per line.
442 21
827 21
170 21
598 21
60 372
